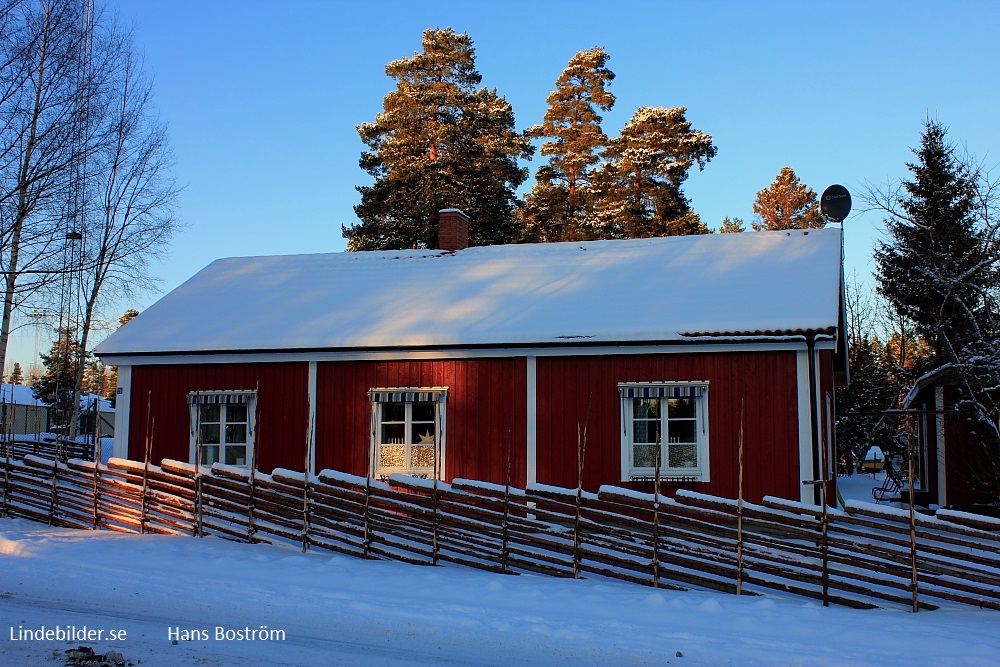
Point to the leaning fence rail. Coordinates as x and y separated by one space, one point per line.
690 540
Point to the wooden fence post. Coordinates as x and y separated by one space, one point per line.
581 451
52 491
251 529
739 510
145 476
656 519
366 540
305 480
505 522
913 526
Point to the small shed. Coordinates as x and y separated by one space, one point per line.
494 363
20 412
954 464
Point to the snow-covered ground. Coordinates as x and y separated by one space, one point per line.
328 609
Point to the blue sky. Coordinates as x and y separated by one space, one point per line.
262 98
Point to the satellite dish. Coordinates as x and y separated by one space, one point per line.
835 203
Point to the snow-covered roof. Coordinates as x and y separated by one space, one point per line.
638 290
18 394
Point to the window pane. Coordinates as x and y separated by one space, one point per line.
422 434
236 456
393 434
236 413
682 456
646 408
393 412
210 434
682 430
644 456
681 408
391 456
645 431
423 412
421 456
209 454
236 433
210 412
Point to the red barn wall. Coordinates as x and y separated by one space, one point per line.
282 408
573 391
485 410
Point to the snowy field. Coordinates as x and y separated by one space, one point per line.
325 609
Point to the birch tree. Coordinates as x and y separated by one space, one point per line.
130 217
41 145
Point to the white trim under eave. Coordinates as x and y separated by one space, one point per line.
804 409
463 353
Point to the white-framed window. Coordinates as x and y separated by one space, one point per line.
222 426
665 421
408 431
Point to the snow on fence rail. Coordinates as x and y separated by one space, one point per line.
19 446
871 555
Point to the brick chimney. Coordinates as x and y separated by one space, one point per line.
453 230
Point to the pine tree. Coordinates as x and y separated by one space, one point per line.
639 187
95 378
16 374
560 205
127 317
786 204
55 387
933 269
440 142
731 226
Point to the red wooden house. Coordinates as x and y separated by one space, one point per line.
469 362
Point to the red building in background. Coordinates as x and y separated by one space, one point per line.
502 361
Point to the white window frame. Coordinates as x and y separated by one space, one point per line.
223 398
628 469
435 395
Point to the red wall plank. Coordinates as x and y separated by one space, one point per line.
573 391
485 411
281 408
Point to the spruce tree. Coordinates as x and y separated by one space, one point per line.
786 204
16 374
639 185
560 205
441 141
55 387
933 269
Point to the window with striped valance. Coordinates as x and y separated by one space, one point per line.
408 395
661 390
408 431
664 429
228 397
222 426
